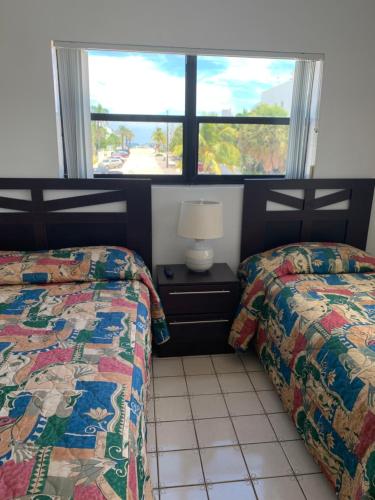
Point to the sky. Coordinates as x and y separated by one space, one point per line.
149 83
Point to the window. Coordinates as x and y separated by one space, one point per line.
242 119
186 118
137 103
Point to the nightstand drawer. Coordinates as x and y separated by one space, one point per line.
199 308
198 334
202 299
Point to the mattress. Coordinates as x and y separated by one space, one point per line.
315 334
74 374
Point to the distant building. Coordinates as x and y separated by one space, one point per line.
226 112
280 94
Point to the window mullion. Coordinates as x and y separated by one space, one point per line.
117 117
246 120
190 146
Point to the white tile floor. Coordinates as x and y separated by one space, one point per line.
217 431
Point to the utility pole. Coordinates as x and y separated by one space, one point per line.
167 141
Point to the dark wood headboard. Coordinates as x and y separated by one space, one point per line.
30 221
306 218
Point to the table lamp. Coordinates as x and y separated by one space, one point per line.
200 221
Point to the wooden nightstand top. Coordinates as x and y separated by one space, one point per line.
219 273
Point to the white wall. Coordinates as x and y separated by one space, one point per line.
168 248
341 29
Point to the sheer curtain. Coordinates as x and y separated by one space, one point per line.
300 120
72 67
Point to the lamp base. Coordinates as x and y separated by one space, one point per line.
200 257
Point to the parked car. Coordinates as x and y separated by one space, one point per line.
124 153
101 170
118 157
110 163
171 162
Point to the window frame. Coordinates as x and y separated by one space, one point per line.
190 122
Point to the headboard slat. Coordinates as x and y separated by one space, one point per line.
39 224
330 199
285 199
309 219
85 200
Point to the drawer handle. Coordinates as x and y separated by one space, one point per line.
199 322
201 292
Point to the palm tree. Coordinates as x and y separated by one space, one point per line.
98 129
159 138
175 144
218 147
129 137
98 108
126 136
113 140
264 147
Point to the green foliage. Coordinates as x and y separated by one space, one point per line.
240 149
99 135
98 108
175 144
263 109
105 138
126 136
159 138
218 147
113 140
263 148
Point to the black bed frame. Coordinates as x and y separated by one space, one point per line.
309 220
37 224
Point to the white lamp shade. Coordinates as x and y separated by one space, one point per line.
201 220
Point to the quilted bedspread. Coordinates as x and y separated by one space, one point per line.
312 310
74 373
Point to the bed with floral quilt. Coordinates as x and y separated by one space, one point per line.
75 347
311 309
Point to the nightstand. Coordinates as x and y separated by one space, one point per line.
199 308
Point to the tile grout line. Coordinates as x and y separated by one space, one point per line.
277 437
266 414
231 480
209 418
188 396
286 456
221 391
212 394
156 443
216 373
226 445
195 430
237 444
235 432
223 481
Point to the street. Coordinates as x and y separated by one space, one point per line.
143 161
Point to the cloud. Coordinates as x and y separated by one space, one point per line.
243 69
239 83
136 84
213 97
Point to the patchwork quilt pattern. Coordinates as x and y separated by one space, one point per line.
312 310
74 373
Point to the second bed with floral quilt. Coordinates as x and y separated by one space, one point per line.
311 309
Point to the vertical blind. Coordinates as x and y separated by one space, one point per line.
300 119
72 67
